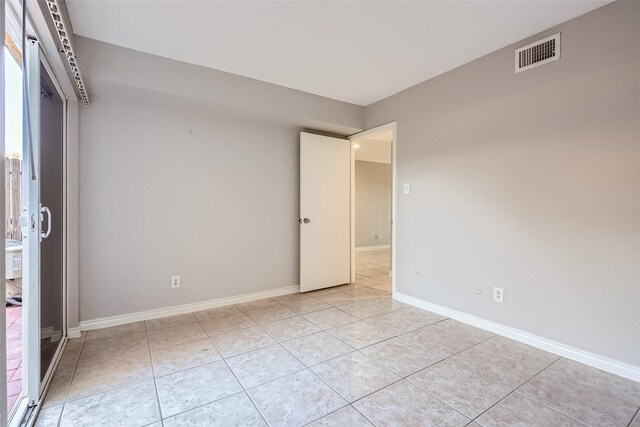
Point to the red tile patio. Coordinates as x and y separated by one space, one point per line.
14 354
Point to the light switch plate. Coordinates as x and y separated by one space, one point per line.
406 189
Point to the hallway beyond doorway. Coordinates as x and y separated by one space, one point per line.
373 267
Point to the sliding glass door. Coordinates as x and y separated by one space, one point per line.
35 117
52 202
43 227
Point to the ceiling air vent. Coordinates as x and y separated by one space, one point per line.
538 53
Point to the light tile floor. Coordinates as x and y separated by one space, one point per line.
346 356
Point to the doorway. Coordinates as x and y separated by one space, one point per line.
329 211
372 208
35 221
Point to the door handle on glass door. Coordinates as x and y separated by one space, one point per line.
44 209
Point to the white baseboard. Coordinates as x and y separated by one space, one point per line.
616 367
74 332
372 248
105 322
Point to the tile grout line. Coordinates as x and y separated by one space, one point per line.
635 417
515 391
153 372
244 390
64 402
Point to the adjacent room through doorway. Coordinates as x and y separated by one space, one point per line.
373 184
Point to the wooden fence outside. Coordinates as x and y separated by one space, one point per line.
13 197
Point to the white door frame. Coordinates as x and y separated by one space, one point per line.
393 127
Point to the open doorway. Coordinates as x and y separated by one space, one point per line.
34 221
13 156
372 212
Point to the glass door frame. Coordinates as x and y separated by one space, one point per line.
58 353
34 386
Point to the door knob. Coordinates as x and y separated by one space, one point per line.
306 220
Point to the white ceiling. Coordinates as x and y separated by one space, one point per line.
358 51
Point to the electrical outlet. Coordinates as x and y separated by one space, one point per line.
175 282
406 188
498 294
477 290
418 274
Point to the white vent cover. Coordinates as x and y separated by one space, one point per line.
538 53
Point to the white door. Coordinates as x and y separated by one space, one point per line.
325 211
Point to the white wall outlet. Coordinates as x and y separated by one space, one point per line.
175 282
418 274
477 290
498 294
406 188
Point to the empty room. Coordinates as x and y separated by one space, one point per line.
320 213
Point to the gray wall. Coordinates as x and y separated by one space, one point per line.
373 204
530 182
179 178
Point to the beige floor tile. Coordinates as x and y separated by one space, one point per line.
236 410
403 404
210 313
313 399
269 313
301 304
578 401
174 330
518 411
383 287
58 389
260 303
346 416
326 291
618 386
132 406
354 375
166 322
223 324
373 307
466 392
175 358
447 337
242 341
337 299
97 376
49 417
330 318
113 342
405 320
188 389
177 334
115 331
505 361
317 348
260 366
360 334
365 293
290 328
400 356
